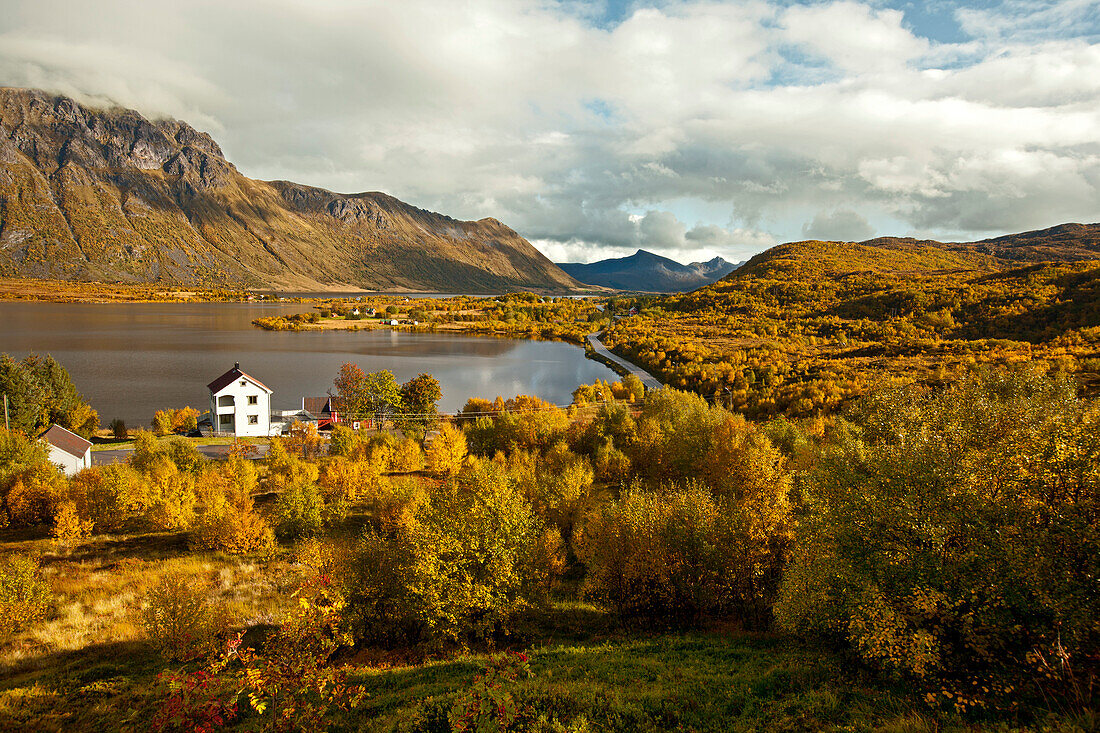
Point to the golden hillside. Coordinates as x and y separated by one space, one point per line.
806 326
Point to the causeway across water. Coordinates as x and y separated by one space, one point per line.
650 381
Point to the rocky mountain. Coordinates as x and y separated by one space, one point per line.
108 195
645 271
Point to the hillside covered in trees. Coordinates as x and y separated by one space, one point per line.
806 326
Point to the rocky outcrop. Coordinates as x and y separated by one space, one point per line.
106 194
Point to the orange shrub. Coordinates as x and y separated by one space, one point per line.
69 525
34 494
109 495
407 456
447 451
172 495
25 596
237 529
179 618
229 522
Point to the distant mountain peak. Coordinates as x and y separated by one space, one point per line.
648 272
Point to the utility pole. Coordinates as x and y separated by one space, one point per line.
7 428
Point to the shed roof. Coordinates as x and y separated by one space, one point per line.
66 440
233 375
318 406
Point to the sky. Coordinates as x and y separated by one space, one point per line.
691 129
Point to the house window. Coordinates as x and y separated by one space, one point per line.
253 419
253 399
225 419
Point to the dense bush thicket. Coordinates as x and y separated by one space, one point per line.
40 393
940 535
950 537
165 485
675 508
452 565
954 532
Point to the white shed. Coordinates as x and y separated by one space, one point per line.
240 404
68 450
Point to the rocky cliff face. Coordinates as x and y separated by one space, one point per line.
108 195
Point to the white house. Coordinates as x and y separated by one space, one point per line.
68 450
240 404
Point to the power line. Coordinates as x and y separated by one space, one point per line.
480 413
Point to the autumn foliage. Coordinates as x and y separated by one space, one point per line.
954 533
25 597
805 328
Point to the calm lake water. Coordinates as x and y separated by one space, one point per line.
131 359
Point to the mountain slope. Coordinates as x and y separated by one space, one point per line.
648 272
1062 243
90 194
806 326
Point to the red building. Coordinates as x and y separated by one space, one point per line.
326 410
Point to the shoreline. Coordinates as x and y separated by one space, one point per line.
464 328
33 290
30 290
589 341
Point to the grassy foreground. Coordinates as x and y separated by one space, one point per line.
654 682
90 667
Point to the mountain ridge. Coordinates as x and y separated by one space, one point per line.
108 195
648 272
1069 242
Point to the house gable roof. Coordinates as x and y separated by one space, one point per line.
67 441
232 376
321 406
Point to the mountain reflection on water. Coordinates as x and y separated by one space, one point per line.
131 359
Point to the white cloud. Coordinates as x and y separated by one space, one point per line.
575 250
528 111
842 225
852 35
663 233
1030 20
738 243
